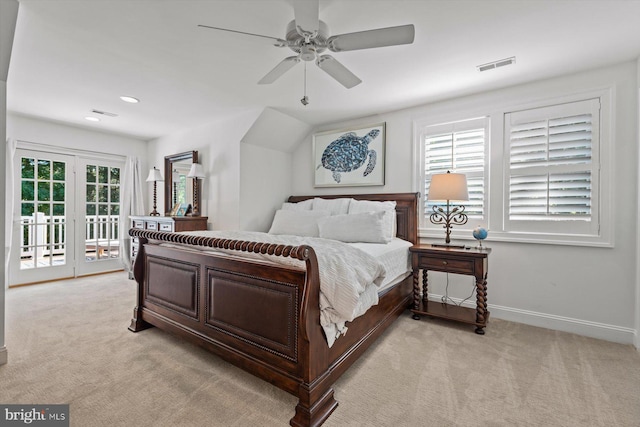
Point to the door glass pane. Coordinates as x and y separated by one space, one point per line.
59 171
42 222
103 193
91 174
58 191
102 213
44 192
27 190
28 167
27 209
115 176
91 193
44 169
103 174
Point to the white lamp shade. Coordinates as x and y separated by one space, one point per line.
154 175
175 174
196 171
448 186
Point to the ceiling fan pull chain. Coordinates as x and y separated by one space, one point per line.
305 99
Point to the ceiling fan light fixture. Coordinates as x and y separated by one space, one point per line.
308 52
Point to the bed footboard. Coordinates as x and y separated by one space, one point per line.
262 317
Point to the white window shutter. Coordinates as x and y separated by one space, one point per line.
552 159
458 147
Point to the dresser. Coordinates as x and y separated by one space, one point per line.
171 224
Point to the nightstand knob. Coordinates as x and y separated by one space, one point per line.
444 262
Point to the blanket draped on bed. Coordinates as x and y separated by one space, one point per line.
349 277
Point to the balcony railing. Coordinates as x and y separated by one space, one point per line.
44 235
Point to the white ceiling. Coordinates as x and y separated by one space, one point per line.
72 56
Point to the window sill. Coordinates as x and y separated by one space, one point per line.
519 237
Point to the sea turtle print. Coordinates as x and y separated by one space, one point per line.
348 153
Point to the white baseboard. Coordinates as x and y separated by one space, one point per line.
4 355
586 328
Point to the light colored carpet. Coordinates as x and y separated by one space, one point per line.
68 343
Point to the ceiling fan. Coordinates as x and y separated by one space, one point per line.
308 37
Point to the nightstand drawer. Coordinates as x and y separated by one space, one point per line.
151 225
138 224
449 265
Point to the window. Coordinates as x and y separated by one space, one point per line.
536 172
553 168
458 147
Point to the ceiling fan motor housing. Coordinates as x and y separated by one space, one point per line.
307 50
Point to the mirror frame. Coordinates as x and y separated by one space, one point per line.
168 173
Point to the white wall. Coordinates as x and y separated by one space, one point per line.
29 129
3 182
591 291
8 17
218 146
637 327
265 182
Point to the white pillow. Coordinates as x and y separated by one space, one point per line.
367 227
359 206
335 206
304 205
297 223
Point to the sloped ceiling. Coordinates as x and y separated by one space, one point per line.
72 56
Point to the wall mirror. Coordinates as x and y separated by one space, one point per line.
177 187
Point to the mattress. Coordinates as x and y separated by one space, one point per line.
394 256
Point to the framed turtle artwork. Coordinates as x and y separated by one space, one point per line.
349 157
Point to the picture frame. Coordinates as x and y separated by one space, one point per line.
174 211
183 209
350 157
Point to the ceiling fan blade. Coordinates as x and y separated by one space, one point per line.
338 71
306 15
285 65
381 37
279 42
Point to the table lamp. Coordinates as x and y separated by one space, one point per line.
196 172
175 178
154 176
450 187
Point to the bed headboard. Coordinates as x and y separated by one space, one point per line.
406 209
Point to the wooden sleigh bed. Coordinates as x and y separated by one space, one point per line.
261 317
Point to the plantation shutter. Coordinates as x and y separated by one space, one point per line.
553 162
459 148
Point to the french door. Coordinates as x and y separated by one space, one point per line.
99 207
43 217
66 216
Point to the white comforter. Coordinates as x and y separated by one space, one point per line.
345 273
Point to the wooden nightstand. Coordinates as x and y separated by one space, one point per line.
473 262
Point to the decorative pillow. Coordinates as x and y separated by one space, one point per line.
359 206
297 223
304 205
335 206
367 227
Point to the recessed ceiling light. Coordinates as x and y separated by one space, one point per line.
92 119
130 99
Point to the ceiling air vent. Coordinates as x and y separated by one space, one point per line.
104 113
496 64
